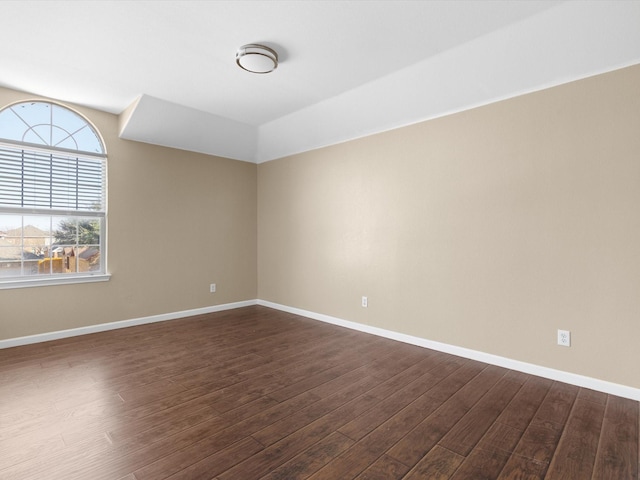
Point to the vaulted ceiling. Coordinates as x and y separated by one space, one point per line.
347 68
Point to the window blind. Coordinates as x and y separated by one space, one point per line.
33 179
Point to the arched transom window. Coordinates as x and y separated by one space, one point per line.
52 196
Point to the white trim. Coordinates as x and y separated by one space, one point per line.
42 281
532 369
103 327
550 373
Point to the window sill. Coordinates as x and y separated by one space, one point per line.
45 282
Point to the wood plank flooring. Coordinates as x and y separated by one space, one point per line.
255 393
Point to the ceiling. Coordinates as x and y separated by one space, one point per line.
347 68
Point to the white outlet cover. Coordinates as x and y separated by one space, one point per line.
564 338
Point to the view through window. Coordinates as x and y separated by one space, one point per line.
52 194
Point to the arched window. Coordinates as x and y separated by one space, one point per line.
52 196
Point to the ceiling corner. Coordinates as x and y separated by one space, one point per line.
156 121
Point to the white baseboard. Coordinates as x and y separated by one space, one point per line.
545 372
103 327
550 373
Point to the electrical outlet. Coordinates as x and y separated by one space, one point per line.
365 302
564 338
212 288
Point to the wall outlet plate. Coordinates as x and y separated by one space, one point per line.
365 302
212 288
564 338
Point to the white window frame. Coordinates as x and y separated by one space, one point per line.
25 211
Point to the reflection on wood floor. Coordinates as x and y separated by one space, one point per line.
257 393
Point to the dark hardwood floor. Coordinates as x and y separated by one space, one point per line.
255 393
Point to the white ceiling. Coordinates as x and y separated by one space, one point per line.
348 68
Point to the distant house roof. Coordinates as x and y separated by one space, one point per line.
89 252
27 231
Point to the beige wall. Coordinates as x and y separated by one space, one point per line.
177 221
488 229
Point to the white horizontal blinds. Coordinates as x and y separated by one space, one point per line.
32 179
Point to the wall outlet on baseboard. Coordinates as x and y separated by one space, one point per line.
564 338
365 302
212 288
